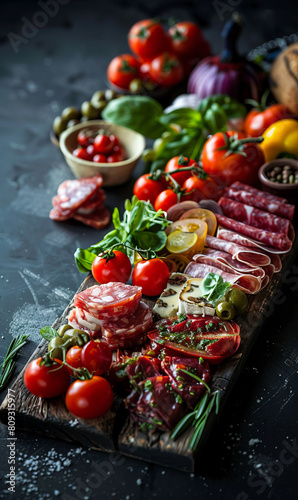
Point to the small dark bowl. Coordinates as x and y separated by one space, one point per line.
289 191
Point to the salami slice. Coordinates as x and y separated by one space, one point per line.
225 262
98 218
269 240
111 300
96 201
128 331
250 189
251 256
73 193
76 319
253 216
251 244
258 201
245 282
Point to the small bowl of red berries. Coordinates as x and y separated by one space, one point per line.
101 147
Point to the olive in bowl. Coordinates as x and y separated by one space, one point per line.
280 177
113 173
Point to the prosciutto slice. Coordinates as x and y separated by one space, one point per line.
250 189
225 261
258 201
245 282
271 242
250 256
253 216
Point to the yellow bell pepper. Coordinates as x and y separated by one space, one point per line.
281 137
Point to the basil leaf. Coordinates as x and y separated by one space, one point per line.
84 259
187 118
139 113
213 287
147 239
48 333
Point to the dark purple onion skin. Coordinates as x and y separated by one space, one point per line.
211 205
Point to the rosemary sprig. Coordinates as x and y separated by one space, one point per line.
197 419
8 364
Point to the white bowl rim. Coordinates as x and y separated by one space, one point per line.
87 163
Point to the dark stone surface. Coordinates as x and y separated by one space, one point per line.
251 453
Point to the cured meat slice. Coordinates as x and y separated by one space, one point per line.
253 216
245 282
96 201
252 257
250 189
73 193
128 331
258 201
270 241
225 261
76 320
275 262
251 244
109 301
98 218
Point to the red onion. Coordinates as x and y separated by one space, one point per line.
212 206
227 73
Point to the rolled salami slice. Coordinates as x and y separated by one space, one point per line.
271 242
250 189
225 261
258 201
251 256
245 282
111 300
128 331
253 216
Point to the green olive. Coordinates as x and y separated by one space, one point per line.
110 94
59 125
148 155
225 310
70 113
99 95
89 111
54 344
238 299
69 340
63 328
136 86
82 339
99 105
72 122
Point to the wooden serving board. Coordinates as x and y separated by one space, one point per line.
115 431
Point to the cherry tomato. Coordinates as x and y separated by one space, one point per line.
256 122
99 158
188 42
152 275
148 189
117 268
147 39
46 381
166 70
179 162
73 358
208 187
85 137
82 154
115 157
165 200
228 168
89 398
122 70
103 144
96 357
90 150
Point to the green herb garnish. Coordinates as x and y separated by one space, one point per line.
8 363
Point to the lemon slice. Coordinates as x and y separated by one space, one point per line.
190 226
202 214
181 242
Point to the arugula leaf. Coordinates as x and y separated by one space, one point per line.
48 333
139 113
213 287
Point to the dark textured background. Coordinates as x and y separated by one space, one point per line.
61 65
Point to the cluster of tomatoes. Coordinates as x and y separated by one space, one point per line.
160 58
91 395
99 147
189 186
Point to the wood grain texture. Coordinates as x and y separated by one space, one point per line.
115 430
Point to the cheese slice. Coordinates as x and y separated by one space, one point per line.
167 304
191 300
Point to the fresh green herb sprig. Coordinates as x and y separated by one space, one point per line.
197 418
8 363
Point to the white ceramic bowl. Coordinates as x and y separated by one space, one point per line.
113 173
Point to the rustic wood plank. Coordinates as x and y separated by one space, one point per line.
115 430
